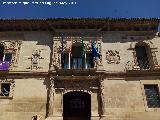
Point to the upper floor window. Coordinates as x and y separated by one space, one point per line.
1 53
5 59
78 59
142 57
152 95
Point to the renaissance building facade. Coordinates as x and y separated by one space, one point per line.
80 69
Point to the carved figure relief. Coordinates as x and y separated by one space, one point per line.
56 53
129 65
35 60
112 57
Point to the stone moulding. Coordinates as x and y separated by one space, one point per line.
76 78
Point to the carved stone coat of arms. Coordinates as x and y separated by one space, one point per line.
112 57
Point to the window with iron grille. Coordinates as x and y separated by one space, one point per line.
5 89
142 57
152 96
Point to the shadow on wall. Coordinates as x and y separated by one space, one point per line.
46 82
42 38
38 37
123 37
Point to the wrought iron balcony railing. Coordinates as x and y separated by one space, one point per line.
140 64
143 63
77 66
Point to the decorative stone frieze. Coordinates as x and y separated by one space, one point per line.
76 84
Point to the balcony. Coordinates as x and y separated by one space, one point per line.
5 59
76 64
75 57
4 65
142 66
138 65
144 59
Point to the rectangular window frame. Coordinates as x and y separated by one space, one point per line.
12 85
157 91
149 82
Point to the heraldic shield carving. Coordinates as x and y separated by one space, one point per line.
112 57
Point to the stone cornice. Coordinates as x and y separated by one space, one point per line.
83 74
102 24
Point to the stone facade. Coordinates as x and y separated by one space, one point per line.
115 84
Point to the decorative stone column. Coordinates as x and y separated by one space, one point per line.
51 98
102 98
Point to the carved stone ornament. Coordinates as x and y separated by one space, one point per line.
56 54
129 65
81 85
112 57
35 60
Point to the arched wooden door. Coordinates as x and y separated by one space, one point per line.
76 106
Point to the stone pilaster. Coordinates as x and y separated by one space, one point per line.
51 98
102 97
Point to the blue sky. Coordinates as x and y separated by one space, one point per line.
82 8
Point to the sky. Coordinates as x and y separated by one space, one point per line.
80 9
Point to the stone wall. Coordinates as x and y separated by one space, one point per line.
30 98
124 97
126 100
113 43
